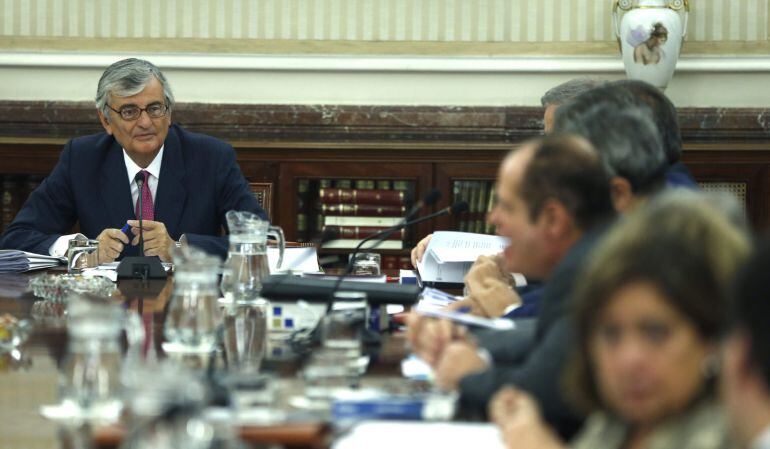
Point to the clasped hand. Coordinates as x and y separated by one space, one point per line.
157 242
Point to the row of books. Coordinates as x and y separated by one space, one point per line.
356 209
357 214
15 190
480 197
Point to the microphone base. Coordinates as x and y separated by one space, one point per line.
141 267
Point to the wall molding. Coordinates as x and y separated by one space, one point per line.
352 63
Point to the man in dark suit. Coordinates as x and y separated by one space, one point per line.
189 180
553 204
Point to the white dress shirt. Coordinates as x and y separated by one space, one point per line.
59 247
153 169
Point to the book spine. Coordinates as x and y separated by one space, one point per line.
343 183
362 232
372 210
10 201
390 262
352 243
383 184
361 196
481 203
361 221
365 184
303 188
490 228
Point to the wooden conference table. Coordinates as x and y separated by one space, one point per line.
29 376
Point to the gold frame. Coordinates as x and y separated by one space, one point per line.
685 5
616 22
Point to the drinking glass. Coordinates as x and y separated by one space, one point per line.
366 264
82 254
343 325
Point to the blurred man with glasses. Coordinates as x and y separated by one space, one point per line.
187 181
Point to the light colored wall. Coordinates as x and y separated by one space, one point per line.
329 22
411 52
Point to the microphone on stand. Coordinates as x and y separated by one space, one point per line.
141 267
429 200
289 287
139 179
454 209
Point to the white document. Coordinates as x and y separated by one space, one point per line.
419 435
435 299
113 266
297 260
450 254
500 324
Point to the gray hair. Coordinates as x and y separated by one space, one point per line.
565 92
626 139
126 78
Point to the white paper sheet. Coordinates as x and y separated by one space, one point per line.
420 435
294 259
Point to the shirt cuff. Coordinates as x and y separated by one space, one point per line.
59 247
510 309
485 356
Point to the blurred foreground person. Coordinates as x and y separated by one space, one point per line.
746 355
647 316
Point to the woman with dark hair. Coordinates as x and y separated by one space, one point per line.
647 316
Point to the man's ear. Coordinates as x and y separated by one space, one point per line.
105 122
555 219
622 194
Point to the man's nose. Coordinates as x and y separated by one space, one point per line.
144 119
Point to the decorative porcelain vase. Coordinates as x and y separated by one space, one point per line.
650 34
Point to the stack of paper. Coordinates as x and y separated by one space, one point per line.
15 261
450 255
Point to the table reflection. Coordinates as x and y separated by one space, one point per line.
30 373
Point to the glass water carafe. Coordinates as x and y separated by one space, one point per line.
193 316
247 264
94 367
246 267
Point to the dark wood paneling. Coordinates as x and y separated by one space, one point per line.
432 145
751 167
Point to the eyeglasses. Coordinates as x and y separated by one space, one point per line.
131 112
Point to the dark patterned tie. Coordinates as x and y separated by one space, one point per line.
148 209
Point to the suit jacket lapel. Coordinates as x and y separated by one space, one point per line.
171 193
116 192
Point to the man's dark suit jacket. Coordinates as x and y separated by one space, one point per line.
199 182
534 360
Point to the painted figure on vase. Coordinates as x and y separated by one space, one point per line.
648 44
